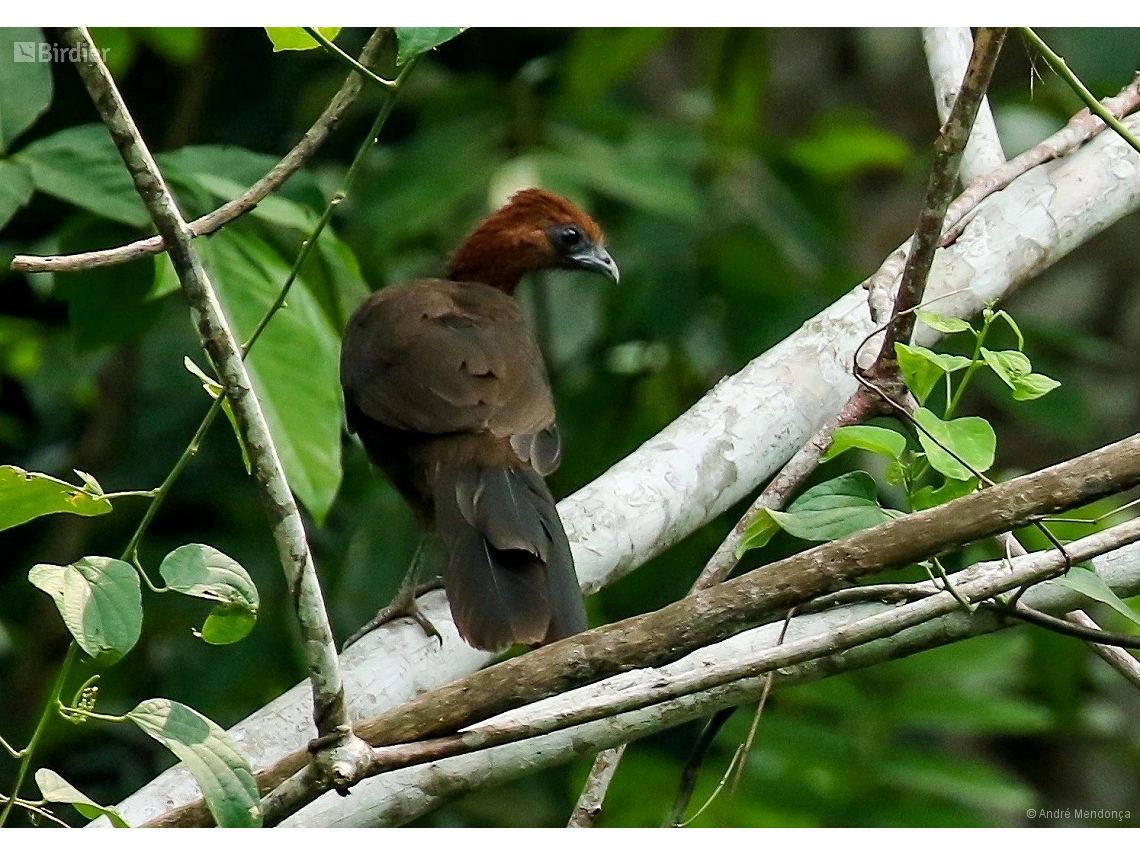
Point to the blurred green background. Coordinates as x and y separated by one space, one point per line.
745 180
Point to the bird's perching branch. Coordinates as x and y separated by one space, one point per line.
329 713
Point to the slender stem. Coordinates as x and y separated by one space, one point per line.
50 705
971 370
391 86
1062 69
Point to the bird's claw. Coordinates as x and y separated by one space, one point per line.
402 605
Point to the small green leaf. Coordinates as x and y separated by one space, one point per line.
27 495
1086 581
221 770
201 571
227 624
1016 371
929 497
295 38
833 509
878 440
941 323
214 390
971 438
922 368
758 533
100 601
417 40
58 791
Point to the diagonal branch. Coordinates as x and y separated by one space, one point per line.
328 694
209 223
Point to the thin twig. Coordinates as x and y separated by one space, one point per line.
940 188
390 86
1062 69
313 139
329 713
1124 663
589 805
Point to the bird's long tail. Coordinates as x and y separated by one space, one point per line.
509 573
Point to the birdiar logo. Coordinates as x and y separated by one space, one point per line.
45 52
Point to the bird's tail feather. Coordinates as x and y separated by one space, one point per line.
509 574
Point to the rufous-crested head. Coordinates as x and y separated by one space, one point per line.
535 230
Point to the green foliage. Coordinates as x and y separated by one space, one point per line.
27 495
417 40
201 571
295 38
218 766
57 791
100 601
25 86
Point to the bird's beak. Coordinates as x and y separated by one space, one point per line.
598 260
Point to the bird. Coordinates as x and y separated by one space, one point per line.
446 388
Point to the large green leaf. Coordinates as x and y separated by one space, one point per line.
827 511
201 571
221 770
81 166
294 366
25 82
58 791
971 439
416 40
15 189
107 305
27 495
100 601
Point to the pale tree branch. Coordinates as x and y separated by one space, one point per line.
209 223
711 616
948 52
728 674
329 713
711 457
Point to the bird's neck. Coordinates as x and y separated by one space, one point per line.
497 256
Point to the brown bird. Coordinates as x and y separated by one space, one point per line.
446 387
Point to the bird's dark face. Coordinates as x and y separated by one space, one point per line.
574 249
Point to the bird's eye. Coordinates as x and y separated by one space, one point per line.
569 238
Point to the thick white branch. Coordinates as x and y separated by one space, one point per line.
727 444
947 55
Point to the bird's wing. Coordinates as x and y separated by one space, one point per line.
441 357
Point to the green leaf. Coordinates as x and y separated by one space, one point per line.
58 791
107 305
27 495
1086 581
758 533
25 82
81 166
833 509
100 601
295 367
417 40
922 368
941 323
214 390
295 38
878 440
15 189
201 571
221 770
965 781
1016 371
970 438
929 497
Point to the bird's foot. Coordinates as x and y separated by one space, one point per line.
402 605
